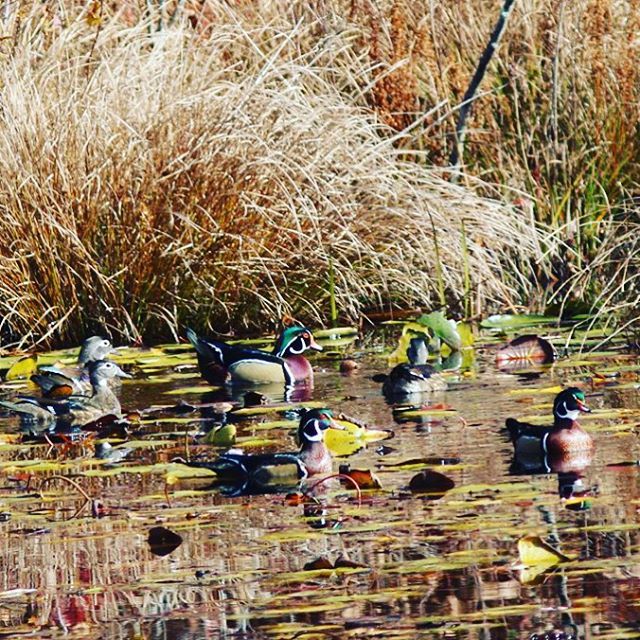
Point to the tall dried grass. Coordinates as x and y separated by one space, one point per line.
154 178
555 126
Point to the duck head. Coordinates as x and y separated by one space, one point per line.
418 351
101 371
568 405
93 349
294 341
314 423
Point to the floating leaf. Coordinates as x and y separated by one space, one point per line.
409 330
524 350
24 368
329 334
507 321
364 478
352 438
442 328
537 557
193 389
432 483
533 550
223 436
163 541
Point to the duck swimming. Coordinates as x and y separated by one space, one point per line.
220 362
262 470
564 446
415 376
58 383
74 409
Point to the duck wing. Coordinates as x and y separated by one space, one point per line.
30 410
55 383
519 430
269 466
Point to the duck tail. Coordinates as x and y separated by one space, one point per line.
28 409
209 352
514 428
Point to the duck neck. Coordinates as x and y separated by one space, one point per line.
565 423
314 449
100 387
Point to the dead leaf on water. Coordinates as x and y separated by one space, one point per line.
431 483
163 541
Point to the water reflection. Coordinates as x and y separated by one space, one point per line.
442 568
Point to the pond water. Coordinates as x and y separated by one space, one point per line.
443 566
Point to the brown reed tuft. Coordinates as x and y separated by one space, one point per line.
171 176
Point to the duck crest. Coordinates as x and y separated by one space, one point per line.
294 341
567 406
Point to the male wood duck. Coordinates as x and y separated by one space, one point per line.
56 382
74 409
565 440
262 470
220 362
415 376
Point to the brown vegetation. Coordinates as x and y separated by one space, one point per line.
202 165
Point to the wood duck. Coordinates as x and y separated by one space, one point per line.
415 376
262 470
220 362
56 382
565 440
74 409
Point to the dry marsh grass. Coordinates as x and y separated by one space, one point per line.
206 176
555 126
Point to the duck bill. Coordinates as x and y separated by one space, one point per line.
336 425
583 407
313 344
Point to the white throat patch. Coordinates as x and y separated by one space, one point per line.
567 415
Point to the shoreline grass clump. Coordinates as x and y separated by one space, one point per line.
153 181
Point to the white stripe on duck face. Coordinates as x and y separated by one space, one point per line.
567 414
313 431
293 348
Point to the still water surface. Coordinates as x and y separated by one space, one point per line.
424 568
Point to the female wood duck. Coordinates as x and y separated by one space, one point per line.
262 470
220 362
59 383
75 409
415 376
565 438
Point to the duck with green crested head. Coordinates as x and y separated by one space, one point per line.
563 440
221 363
260 471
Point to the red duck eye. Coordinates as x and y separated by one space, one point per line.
306 336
